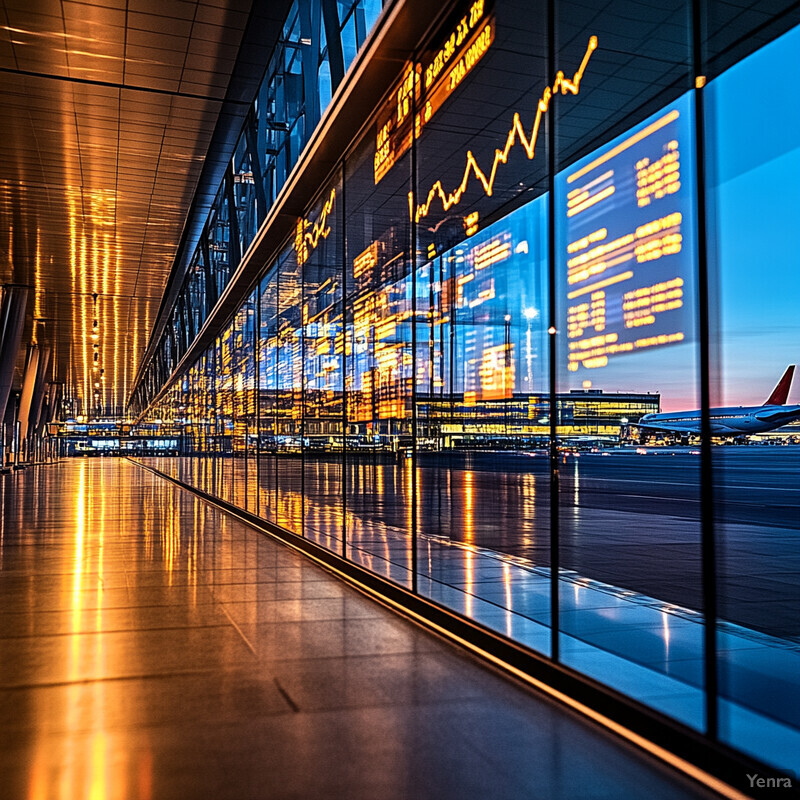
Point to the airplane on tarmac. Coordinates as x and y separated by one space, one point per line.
735 421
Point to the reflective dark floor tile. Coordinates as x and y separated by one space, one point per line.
153 647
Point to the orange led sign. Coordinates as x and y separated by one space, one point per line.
430 86
628 255
394 132
366 261
517 132
474 50
453 42
308 234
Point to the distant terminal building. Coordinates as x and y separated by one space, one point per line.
443 420
580 413
788 434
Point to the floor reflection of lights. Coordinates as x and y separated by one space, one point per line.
646 648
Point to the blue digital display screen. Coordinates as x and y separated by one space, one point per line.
626 248
486 302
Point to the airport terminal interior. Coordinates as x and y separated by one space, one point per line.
397 399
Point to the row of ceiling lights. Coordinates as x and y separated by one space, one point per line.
98 372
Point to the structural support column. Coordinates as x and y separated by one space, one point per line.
56 395
12 322
39 389
28 387
552 343
708 545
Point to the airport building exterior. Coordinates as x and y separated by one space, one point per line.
441 224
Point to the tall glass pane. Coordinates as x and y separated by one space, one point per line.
379 363
216 479
219 240
244 407
320 245
481 361
244 195
211 418
200 422
289 408
630 590
753 161
239 419
267 396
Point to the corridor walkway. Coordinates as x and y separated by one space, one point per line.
153 647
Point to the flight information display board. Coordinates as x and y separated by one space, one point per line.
628 259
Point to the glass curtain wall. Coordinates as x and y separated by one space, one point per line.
379 356
319 247
516 358
320 41
625 308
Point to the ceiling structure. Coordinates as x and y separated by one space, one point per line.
108 109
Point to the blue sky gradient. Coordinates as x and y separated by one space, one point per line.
753 153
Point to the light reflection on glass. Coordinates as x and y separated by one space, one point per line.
665 631
469 508
469 577
509 606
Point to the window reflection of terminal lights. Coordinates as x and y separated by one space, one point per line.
306 241
651 241
516 132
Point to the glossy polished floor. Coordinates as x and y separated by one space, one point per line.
153 647
644 645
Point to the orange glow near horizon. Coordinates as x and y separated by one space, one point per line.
516 133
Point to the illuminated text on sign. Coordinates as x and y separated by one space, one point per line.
626 224
461 51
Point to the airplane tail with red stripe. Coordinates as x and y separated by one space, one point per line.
781 392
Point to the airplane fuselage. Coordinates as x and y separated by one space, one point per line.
734 421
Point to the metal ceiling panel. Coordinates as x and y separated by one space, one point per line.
108 112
